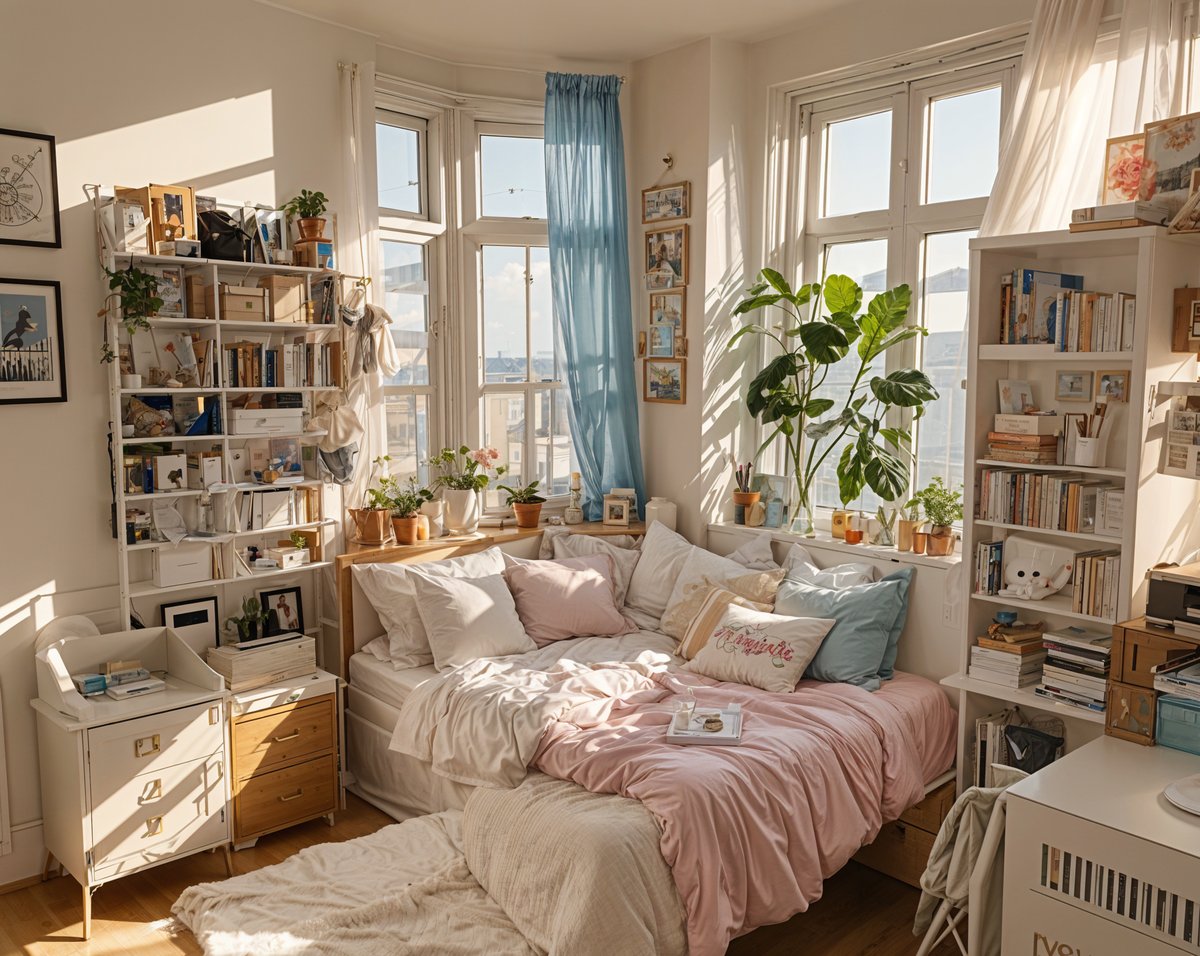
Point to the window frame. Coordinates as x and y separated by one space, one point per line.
391 116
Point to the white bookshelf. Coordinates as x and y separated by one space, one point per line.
1161 521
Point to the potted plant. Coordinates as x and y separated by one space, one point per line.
308 209
249 624
787 394
908 524
526 503
406 510
463 475
943 507
371 520
135 293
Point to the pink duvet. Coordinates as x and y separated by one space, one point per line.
752 831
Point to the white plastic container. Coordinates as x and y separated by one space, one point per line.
663 511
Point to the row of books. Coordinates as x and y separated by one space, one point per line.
1076 668
1095 582
1053 308
291 365
1062 501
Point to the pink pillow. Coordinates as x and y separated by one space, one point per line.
571 597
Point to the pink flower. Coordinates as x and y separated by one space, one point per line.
1125 174
493 454
481 457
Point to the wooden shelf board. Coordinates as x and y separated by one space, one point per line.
1078 535
1058 604
190 263
1023 466
146 588
1047 353
166 439
1023 696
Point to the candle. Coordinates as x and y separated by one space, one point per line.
575 485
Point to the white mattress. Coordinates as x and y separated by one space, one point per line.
380 680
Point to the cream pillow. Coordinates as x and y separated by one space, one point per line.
756 554
799 565
624 560
663 555
468 618
763 650
705 569
713 601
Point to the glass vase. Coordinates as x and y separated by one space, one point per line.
805 520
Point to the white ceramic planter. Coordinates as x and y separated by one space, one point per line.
462 511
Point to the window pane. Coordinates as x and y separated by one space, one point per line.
858 156
512 177
541 317
398 158
552 442
406 298
504 310
866 263
407 432
504 430
964 145
944 311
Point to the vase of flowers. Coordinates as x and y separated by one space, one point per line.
462 477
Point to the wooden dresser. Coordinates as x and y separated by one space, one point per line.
285 751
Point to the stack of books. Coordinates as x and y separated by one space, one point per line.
1095 582
1120 215
1076 668
1023 449
1015 662
989 567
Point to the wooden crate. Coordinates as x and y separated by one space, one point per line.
1129 713
902 848
1138 646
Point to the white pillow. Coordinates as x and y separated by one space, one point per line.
756 554
389 588
624 560
468 618
800 567
763 650
626 542
379 649
663 555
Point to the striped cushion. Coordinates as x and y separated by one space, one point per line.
713 601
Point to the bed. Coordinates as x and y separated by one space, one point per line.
404 784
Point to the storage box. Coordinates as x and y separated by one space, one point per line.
170 472
247 668
181 564
266 421
238 302
1139 646
204 469
1029 424
285 298
1129 713
289 557
197 298
1179 723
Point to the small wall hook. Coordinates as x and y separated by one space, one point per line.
669 161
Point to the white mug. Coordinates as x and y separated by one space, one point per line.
131 381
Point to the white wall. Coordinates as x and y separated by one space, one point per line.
239 99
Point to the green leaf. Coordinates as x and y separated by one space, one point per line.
883 341
757 302
850 475
848 324
824 342
745 329
886 474
757 289
768 381
905 387
895 436
806 292
777 281
842 294
818 407
818 430
890 308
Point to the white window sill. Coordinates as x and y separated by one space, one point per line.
826 542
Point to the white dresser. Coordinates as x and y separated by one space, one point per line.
1097 862
131 784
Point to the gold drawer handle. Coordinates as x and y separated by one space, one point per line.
292 796
153 791
280 740
145 746
154 826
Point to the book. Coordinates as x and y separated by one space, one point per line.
1095 642
1144 210
1018 440
1028 424
1024 649
1015 681
1066 699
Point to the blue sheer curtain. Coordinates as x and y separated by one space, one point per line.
587 214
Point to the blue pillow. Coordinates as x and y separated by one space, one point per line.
854 650
887 667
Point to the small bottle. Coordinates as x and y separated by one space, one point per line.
204 521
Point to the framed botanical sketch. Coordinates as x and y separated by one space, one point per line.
670 306
31 342
665 380
1172 151
1123 158
28 190
667 254
672 201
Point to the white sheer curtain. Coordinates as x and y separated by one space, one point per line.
1079 85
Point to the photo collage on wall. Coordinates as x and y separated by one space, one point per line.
662 345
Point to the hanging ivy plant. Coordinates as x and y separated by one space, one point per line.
135 294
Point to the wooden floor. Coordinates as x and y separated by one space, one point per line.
861 912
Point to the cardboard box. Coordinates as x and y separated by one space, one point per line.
181 564
239 303
170 472
204 469
285 298
197 299
266 421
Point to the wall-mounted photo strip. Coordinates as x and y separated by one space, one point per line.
672 201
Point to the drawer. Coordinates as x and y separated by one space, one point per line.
901 851
285 735
1129 713
280 798
159 814
121 751
1141 650
930 812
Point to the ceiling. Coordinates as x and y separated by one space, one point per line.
503 33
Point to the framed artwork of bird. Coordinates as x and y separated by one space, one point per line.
31 342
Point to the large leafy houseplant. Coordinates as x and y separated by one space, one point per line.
786 396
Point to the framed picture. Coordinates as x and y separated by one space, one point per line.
667 253
171 210
681 349
1113 385
670 307
31 342
1123 156
616 510
662 340
170 290
630 495
28 190
1072 385
272 235
1195 333
776 492
672 201
1015 396
665 380
285 610
659 280
1172 151
195 620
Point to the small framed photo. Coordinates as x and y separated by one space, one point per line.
662 341
681 348
1195 334
672 201
1113 386
195 620
776 492
170 290
630 495
616 510
670 307
659 280
1123 159
665 380
667 253
1072 385
272 236
1015 396
32 367
29 190
285 610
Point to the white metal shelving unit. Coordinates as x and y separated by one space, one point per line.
1161 518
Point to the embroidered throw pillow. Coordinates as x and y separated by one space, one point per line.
763 650
574 597
713 601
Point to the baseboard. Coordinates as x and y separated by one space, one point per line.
23 866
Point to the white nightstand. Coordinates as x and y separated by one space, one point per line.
1097 860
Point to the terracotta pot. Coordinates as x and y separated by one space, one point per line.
370 525
406 529
904 533
941 540
311 228
742 500
528 515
